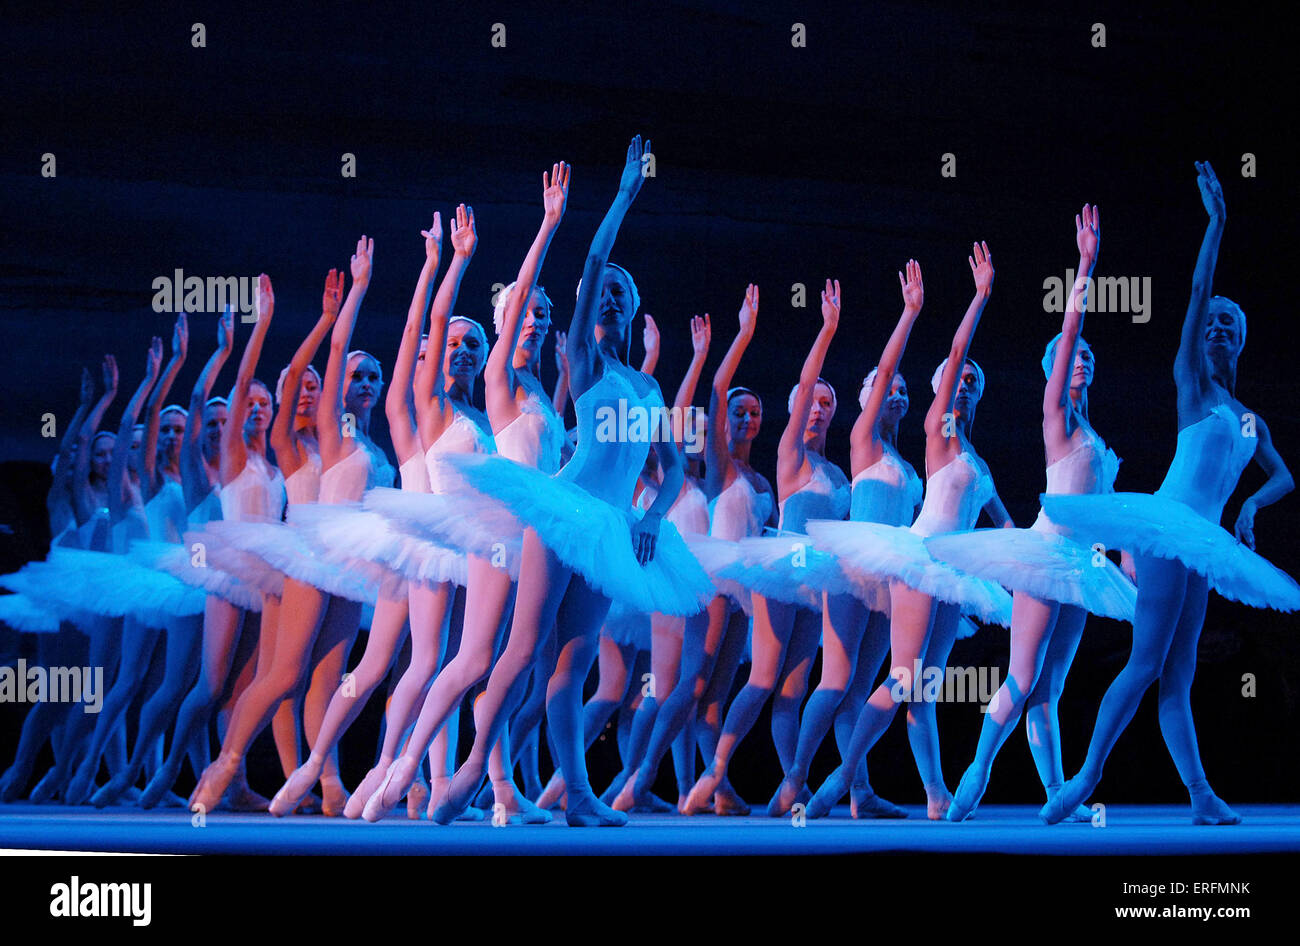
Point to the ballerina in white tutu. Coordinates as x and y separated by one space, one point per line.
855 633
584 544
1056 581
787 599
1178 546
528 432
926 598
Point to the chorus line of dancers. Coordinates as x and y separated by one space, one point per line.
209 580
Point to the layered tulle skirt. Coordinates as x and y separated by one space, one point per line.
73 583
871 551
716 557
627 628
786 567
190 564
464 521
351 536
1043 564
1154 525
23 614
587 534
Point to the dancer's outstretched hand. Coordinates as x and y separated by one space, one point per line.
912 286
266 297
645 535
154 362
87 388
433 239
464 238
650 335
180 336
1087 231
749 309
555 192
630 183
701 334
332 297
1211 191
110 374
831 304
361 262
981 267
226 331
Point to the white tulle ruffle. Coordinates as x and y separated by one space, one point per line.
465 521
346 534
23 614
189 563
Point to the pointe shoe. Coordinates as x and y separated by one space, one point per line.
550 796
464 786
48 787
1064 802
309 804
212 786
417 799
158 786
485 799
787 793
241 797
1209 808
608 795
374 778
392 790
969 792
587 811
171 800
628 797
110 792
937 803
864 803
82 786
727 803
655 805
518 809
298 784
700 798
13 782
333 796
828 795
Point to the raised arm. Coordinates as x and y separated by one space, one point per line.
560 399
329 410
433 410
1191 373
117 472
499 374
701 336
864 442
981 267
650 338
583 351
83 497
720 470
790 456
234 454
61 490
1056 395
157 397
194 474
399 403
289 455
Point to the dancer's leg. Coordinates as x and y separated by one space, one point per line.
1041 723
46 718
922 720
338 632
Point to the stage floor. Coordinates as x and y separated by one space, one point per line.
1130 830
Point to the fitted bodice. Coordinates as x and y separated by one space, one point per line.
462 435
1211 455
739 511
689 511
208 509
954 496
303 484
888 492
615 427
256 493
819 498
1090 467
362 469
534 438
166 513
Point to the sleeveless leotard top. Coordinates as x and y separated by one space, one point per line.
689 511
536 437
615 424
303 484
1211 455
462 435
256 493
888 492
739 511
413 475
1090 467
953 497
818 498
165 513
362 469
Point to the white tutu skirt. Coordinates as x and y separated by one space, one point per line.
23 614
627 628
290 551
1153 525
71 583
1043 564
872 551
590 536
715 557
189 564
464 521
788 568
348 535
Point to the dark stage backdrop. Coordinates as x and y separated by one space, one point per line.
775 163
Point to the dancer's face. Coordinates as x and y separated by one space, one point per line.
171 432
365 381
214 421
1083 364
968 390
819 416
896 404
101 456
537 323
137 446
1223 335
745 416
465 355
615 312
259 409
308 397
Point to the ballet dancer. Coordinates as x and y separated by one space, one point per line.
1178 546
